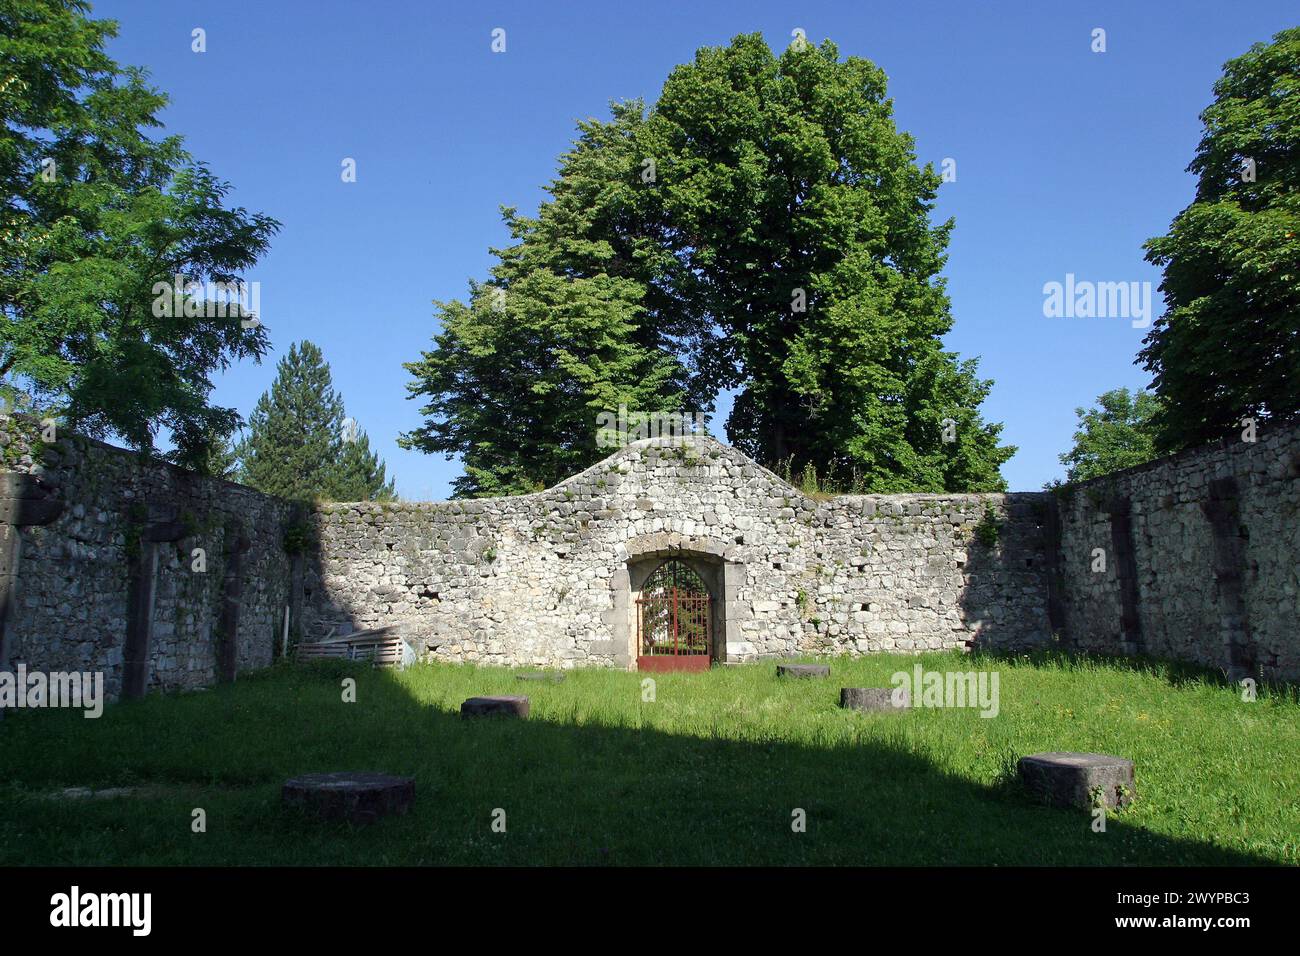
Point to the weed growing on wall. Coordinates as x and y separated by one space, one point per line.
988 530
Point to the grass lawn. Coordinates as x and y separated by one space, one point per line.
708 773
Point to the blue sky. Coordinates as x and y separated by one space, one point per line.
1067 161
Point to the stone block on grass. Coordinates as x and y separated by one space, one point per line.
874 699
355 797
1064 779
502 706
803 670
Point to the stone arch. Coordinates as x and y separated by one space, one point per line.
712 560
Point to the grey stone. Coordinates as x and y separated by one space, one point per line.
354 797
505 705
1064 779
803 670
874 699
15 484
29 511
163 531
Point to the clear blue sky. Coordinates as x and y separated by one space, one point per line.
1067 160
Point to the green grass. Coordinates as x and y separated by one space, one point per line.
709 773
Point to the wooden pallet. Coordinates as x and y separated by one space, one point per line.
320 651
382 646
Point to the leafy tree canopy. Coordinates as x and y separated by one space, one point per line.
764 227
1119 433
94 215
1228 346
567 327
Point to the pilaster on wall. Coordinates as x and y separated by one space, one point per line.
232 585
1223 510
24 501
1052 568
1126 573
142 591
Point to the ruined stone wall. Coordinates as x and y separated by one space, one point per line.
543 578
97 563
112 524
1202 557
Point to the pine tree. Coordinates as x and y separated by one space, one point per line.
220 459
296 447
358 474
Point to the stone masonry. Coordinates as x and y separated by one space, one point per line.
1212 571
98 564
551 578
121 553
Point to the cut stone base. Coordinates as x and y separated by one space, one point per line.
351 796
1069 779
503 706
874 699
803 670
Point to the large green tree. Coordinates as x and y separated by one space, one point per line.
801 211
95 213
298 445
566 328
765 228
1118 433
1228 345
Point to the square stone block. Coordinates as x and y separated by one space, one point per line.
873 699
803 670
502 706
1064 779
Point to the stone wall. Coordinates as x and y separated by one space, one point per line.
1202 557
107 575
98 564
549 578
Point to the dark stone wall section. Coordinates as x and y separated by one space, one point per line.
124 564
1223 510
1204 557
1126 574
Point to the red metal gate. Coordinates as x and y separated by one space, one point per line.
673 621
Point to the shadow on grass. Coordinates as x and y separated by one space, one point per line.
569 792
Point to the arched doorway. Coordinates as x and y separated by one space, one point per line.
674 620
